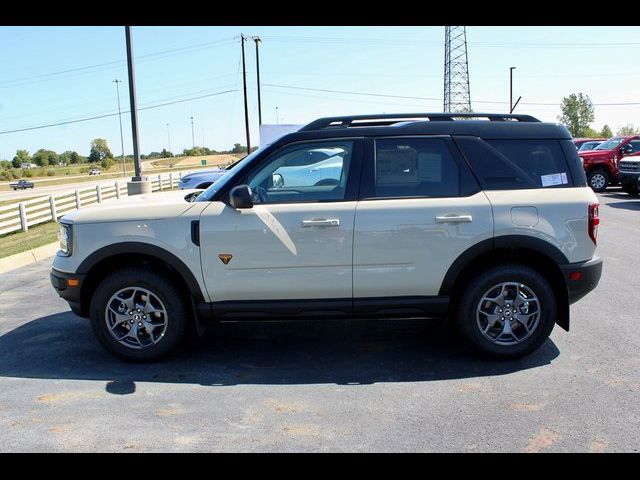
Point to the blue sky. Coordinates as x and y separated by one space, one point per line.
177 63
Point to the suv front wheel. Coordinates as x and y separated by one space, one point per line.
138 315
507 311
598 180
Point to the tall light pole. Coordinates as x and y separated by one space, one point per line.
512 106
124 168
134 111
277 120
193 138
257 40
169 137
244 83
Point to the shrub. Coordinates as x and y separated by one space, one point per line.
51 172
28 173
106 163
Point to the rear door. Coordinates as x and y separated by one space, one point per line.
420 209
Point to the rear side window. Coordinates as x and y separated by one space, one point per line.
415 167
515 164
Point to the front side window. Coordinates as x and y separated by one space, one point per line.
635 145
610 144
312 172
415 167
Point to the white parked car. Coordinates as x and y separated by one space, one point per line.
487 221
95 171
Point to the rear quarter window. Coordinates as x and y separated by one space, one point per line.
517 163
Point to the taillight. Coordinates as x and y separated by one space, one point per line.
594 221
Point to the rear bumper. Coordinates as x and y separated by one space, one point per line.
60 282
589 273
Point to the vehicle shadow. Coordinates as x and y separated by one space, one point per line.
62 346
627 205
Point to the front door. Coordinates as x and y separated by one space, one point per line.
296 243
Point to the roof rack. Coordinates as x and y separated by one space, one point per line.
393 118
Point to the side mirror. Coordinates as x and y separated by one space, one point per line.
277 180
626 149
240 197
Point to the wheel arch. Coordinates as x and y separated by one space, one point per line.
106 259
530 251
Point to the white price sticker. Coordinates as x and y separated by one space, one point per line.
554 179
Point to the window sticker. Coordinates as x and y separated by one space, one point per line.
554 179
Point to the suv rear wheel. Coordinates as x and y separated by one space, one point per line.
138 315
598 180
507 311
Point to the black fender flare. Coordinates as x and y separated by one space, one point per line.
146 249
490 244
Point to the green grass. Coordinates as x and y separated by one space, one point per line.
35 237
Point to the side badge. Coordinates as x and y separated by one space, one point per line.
225 257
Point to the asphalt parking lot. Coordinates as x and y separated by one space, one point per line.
333 386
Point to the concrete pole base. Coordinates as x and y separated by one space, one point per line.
138 185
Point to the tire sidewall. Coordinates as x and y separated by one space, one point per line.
593 173
162 287
466 313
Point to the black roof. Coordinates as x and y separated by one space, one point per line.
496 126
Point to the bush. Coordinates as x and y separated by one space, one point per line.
67 172
28 173
106 163
84 170
51 172
17 173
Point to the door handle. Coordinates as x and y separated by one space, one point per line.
321 222
454 219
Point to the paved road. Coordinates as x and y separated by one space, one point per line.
334 386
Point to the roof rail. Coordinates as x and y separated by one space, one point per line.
390 119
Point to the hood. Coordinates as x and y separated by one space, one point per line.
148 206
596 153
205 173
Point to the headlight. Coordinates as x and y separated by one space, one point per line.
64 235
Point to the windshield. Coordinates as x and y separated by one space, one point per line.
610 144
588 146
208 194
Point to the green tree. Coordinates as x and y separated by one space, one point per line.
69 157
627 130
237 148
606 132
577 113
106 163
44 157
75 158
22 156
166 153
99 150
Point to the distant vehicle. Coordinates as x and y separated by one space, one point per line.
587 146
203 178
602 163
95 171
21 185
630 174
28 165
578 142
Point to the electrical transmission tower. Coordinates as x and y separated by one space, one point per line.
456 71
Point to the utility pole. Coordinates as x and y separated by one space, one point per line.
257 40
169 138
193 138
277 119
137 185
512 106
203 137
457 94
244 83
124 168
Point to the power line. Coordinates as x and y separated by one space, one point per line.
86 119
432 98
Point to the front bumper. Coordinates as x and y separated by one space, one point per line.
581 277
629 178
70 291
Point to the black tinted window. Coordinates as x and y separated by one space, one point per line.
415 167
513 164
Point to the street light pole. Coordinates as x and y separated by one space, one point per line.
277 120
511 69
169 138
134 111
244 83
257 40
124 168
193 138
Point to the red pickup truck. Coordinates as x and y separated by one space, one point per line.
601 164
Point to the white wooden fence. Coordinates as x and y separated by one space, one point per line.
22 215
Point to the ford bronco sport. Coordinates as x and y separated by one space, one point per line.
486 219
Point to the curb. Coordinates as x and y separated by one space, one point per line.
25 258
